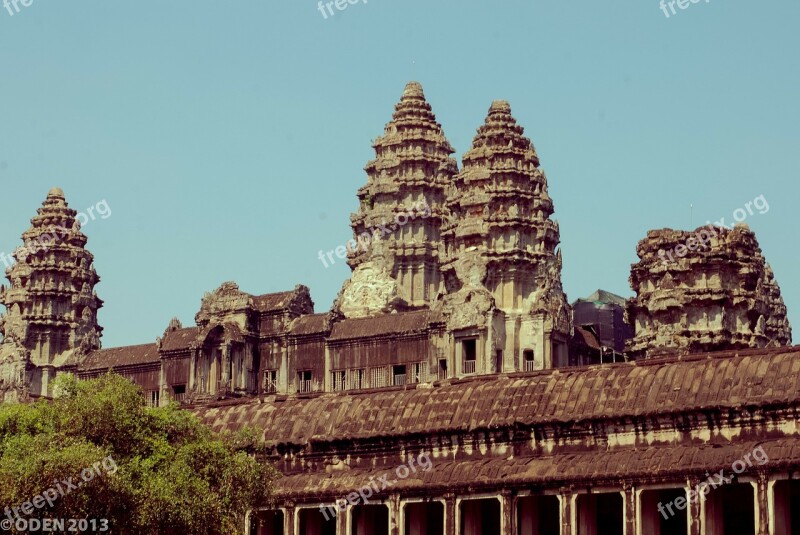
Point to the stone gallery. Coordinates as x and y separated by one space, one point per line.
452 388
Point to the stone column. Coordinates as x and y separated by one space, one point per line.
326 371
694 509
45 380
163 388
629 506
393 503
288 519
225 364
341 519
762 504
507 512
450 514
565 496
488 346
193 363
283 377
547 342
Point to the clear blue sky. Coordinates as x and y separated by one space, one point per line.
229 138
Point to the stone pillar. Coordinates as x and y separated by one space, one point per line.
547 345
326 372
629 507
694 508
288 519
483 361
762 504
450 514
341 519
393 503
163 388
489 347
283 376
225 361
45 381
507 513
193 362
566 497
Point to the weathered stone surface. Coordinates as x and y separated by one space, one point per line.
404 365
397 226
720 295
370 291
499 237
51 305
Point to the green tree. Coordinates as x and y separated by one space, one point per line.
146 470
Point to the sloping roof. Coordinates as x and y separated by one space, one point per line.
116 357
400 323
603 297
272 302
722 380
179 339
595 466
309 324
586 337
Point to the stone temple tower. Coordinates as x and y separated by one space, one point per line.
500 249
51 305
395 258
706 290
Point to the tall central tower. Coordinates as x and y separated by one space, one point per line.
501 237
397 226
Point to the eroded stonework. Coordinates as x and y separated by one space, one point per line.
499 240
460 276
370 291
719 293
398 224
440 347
51 305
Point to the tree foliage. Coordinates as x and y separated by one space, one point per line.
156 470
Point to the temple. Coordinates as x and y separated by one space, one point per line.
51 305
451 388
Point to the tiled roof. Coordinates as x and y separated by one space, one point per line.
586 337
404 322
595 466
722 380
272 302
308 324
116 357
602 297
179 339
